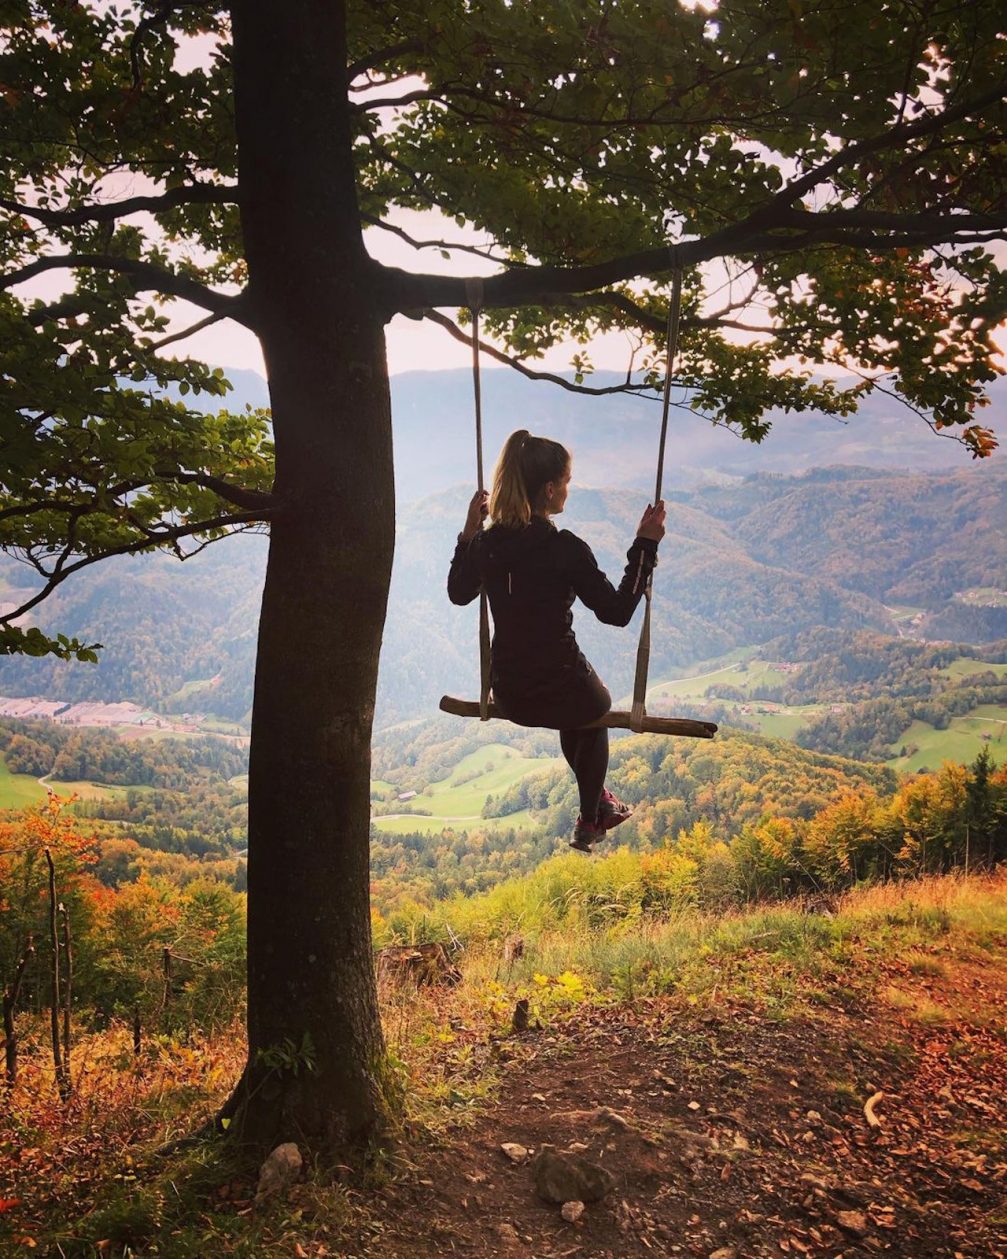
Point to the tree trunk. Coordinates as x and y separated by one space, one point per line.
315 1072
10 998
62 1078
64 914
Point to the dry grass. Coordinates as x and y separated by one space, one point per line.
77 1165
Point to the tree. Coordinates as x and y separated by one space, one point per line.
829 182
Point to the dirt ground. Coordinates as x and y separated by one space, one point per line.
735 1134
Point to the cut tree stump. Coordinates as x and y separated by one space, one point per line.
418 964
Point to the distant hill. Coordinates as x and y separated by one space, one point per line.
614 438
743 563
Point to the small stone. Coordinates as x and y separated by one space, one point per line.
854 1222
694 1105
572 1211
569 1177
813 1116
578 1147
281 1168
507 1233
725 1252
516 1153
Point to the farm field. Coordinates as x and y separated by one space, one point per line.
967 667
962 741
459 798
779 721
743 675
411 824
19 791
903 611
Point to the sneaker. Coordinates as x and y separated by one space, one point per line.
612 811
585 834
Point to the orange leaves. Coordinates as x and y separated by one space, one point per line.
47 826
980 441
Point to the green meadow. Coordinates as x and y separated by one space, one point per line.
967 667
458 799
19 791
778 721
962 741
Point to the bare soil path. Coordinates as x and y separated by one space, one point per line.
736 1134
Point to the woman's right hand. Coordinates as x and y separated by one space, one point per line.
478 510
652 522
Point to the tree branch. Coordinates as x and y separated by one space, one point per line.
896 136
766 232
373 221
188 194
236 494
147 276
186 332
128 548
252 500
378 58
491 351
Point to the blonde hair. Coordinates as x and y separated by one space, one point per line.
526 465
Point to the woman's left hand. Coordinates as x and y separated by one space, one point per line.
477 513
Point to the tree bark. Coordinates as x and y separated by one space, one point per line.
315 1071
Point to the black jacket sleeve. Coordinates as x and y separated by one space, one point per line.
463 576
613 606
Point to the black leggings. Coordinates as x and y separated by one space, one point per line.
586 751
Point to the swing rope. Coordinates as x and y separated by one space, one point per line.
474 293
638 711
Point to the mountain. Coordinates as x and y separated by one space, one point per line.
742 563
614 438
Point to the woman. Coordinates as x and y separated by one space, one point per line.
532 572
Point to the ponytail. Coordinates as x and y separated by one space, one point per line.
525 467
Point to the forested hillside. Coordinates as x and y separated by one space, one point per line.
742 563
728 784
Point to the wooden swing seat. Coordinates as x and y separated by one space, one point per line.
614 720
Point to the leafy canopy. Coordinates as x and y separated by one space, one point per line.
830 179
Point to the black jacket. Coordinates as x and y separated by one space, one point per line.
532 576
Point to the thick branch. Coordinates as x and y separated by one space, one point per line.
253 500
768 231
145 274
188 194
